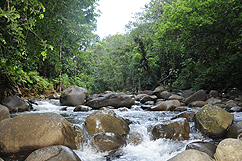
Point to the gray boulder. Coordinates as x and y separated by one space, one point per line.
188 92
235 130
165 95
198 96
213 101
206 147
53 153
28 132
73 96
4 113
213 121
15 103
213 93
177 129
158 91
111 99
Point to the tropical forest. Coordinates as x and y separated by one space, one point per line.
178 44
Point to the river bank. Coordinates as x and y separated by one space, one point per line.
140 143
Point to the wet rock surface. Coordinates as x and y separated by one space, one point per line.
206 147
53 153
108 141
28 132
213 121
106 120
177 129
73 96
15 103
108 132
111 99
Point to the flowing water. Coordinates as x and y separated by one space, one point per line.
142 122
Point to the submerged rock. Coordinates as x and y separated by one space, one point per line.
213 121
106 120
177 129
28 132
53 153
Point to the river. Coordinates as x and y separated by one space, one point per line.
143 121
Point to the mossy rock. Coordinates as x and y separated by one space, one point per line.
213 121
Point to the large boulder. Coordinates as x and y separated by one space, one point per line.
165 95
108 141
235 130
73 96
206 147
229 150
111 99
15 103
28 132
158 91
213 93
53 153
213 121
177 129
106 120
168 105
187 93
4 113
198 96
213 101
192 155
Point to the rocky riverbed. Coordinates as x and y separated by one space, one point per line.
149 125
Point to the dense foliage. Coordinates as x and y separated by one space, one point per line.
179 43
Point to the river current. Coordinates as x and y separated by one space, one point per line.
142 122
